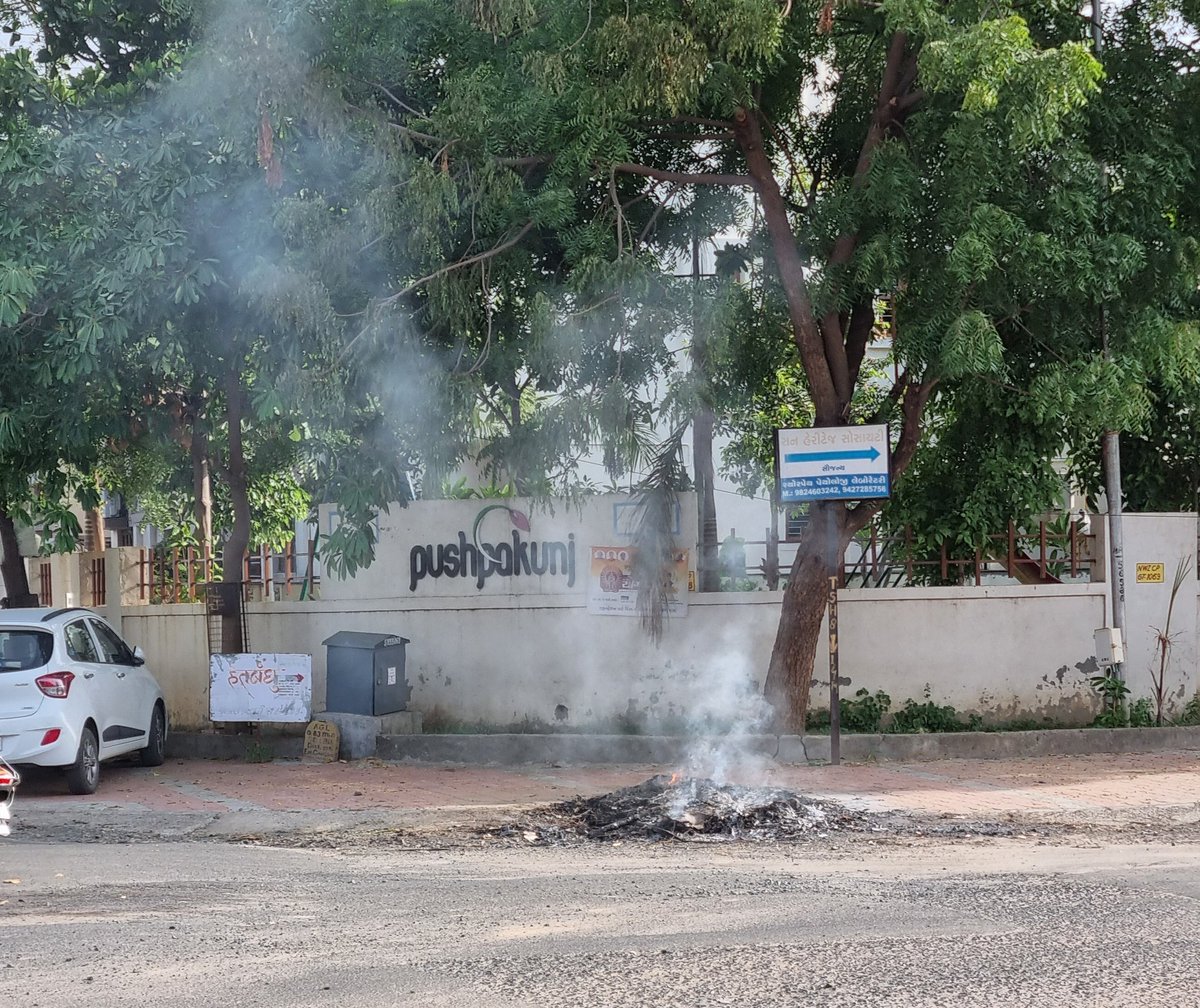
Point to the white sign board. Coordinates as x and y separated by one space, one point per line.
833 463
260 687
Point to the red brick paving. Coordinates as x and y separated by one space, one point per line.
1063 784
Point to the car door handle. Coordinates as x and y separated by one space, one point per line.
89 675
120 675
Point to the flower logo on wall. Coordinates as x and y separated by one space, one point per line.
519 519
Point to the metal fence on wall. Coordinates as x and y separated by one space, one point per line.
1049 552
180 575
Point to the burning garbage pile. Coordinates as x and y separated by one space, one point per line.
672 807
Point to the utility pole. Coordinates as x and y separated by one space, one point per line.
1111 440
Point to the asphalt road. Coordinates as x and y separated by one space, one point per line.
892 921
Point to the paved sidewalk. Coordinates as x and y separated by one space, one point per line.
191 794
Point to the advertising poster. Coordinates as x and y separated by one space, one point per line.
260 687
612 590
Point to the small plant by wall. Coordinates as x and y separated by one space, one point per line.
1113 695
1142 714
865 712
1191 711
927 716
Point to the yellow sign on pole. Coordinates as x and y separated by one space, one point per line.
1151 573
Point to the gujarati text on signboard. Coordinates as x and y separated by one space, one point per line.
260 687
833 463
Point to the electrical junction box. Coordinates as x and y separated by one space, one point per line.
1110 649
365 673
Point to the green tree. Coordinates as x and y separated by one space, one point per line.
538 287
113 36
1129 237
218 212
907 147
61 325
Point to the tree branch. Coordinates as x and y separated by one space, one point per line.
460 264
890 400
898 68
398 103
805 330
881 120
916 395
686 178
858 335
692 121
416 135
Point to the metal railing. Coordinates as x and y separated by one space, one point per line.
1041 555
45 583
96 582
179 575
1046 553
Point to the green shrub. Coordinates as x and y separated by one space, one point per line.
1191 711
865 712
914 718
1141 713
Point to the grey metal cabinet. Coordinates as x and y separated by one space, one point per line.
365 673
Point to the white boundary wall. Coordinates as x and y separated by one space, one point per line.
523 647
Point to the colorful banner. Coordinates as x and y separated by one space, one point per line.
612 590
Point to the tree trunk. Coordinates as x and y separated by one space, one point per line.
202 493
12 566
708 575
93 531
819 556
708 571
234 553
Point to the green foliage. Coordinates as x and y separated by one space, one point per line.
865 711
420 232
1191 711
461 490
115 39
259 752
1113 695
928 716
1141 713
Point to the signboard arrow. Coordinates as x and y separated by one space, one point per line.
832 456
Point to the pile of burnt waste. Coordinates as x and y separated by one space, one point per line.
670 807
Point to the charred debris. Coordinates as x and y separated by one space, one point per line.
671 807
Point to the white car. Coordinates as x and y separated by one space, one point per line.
72 694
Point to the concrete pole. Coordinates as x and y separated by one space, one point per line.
1116 548
1111 440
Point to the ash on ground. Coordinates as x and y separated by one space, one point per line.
666 807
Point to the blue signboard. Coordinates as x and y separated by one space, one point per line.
833 463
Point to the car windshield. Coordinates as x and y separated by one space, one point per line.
21 650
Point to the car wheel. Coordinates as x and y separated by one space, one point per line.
83 776
154 753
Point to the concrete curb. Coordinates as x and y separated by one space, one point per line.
221 746
513 750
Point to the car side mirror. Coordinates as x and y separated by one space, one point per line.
139 656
